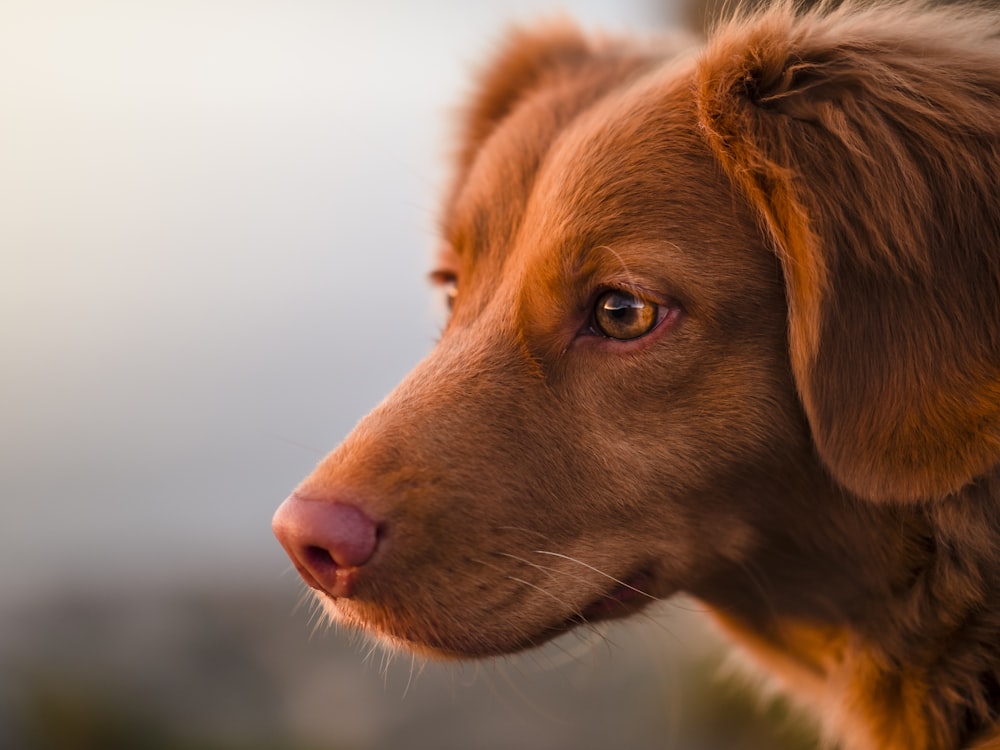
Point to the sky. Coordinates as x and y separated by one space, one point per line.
216 222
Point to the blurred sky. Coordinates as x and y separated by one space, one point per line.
216 218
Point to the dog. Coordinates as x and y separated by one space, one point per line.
725 321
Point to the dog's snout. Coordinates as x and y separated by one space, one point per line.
327 540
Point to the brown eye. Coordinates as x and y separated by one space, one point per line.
448 282
620 315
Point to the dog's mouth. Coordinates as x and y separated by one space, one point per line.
625 597
622 598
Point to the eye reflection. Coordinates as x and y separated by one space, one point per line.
622 315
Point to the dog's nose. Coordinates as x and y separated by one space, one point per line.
327 541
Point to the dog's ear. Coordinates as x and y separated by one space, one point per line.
869 142
526 59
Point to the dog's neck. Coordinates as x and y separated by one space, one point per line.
901 648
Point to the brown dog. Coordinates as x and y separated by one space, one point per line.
725 322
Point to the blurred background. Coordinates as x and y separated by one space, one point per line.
216 221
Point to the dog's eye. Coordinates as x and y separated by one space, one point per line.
448 282
450 292
621 315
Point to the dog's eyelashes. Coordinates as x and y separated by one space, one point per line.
623 315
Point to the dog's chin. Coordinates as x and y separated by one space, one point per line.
457 639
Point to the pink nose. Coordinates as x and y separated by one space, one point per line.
327 541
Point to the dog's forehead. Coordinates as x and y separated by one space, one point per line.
630 169
487 204
587 160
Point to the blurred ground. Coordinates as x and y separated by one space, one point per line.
224 670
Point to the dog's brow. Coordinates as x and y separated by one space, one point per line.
446 257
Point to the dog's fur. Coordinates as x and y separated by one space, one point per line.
808 441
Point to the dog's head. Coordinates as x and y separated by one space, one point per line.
696 296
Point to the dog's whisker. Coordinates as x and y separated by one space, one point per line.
318 625
537 566
305 599
409 679
586 643
564 604
598 571
594 634
319 618
367 658
388 655
550 570
557 571
523 582
575 610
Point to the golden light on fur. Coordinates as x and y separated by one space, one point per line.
867 140
788 407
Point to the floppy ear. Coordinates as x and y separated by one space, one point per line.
869 142
526 61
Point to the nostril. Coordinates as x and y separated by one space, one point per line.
318 558
326 540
